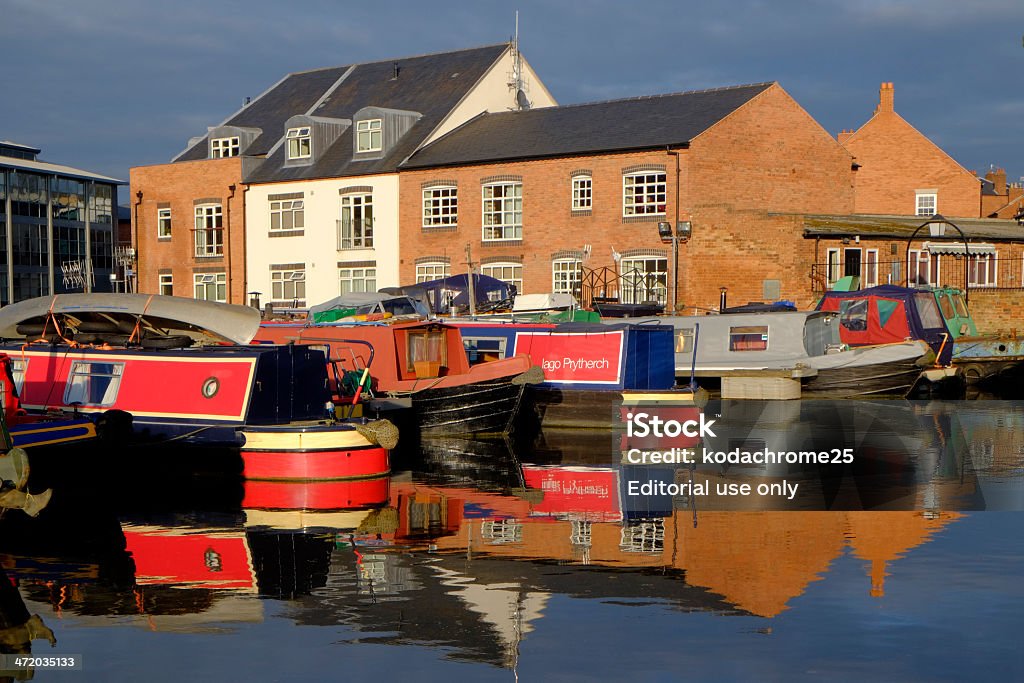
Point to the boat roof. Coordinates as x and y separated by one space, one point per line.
203 321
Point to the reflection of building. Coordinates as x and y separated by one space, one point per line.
56 227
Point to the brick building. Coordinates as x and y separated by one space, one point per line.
549 199
295 196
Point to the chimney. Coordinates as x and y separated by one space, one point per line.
843 136
885 98
997 176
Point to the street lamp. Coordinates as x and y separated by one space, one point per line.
937 228
682 233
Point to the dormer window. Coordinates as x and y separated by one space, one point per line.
368 136
224 147
300 143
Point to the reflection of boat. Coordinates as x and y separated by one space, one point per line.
419 360
106 356
799 351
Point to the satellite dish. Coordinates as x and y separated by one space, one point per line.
522 100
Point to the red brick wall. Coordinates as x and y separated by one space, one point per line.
996 311
180 184
767 158
896 160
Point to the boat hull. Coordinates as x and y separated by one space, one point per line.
321 452
895 378
488 407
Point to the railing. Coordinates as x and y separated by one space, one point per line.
983 272
629 287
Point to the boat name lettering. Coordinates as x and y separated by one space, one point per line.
643 424
575 364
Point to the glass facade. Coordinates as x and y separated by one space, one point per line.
44 234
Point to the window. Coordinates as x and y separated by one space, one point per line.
166 284
684 340
870 267
927 203
300 143
209 230
355 229
748 338
853 314
223 147
566 274
922 268
92 383
503 211
582 193
211 286
357 280
288 285
643 194
163 223
368 136
440 207
981 271
434 270
509 273
287 214
833 266
644 278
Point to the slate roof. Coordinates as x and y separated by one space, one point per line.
431 85
636 123
902 227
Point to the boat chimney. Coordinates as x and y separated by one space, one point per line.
722 298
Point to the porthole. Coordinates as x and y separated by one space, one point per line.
210 387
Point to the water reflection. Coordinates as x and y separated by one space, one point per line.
475 544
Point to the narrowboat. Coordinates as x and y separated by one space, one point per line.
384 340
590 370
173 370
801 349
937 315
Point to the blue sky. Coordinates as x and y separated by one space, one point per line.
107 85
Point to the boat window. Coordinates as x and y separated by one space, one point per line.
684 340
961 306
749 338
946 306
928 310
93 383
427 346
853 314
18 367
484 348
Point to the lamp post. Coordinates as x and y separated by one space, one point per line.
937 228
668 236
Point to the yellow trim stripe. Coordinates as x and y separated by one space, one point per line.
291 441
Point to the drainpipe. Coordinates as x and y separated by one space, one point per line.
227 238
135 244
675 241
245 257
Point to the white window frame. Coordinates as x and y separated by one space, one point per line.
870 267
82 376
166 284
432 270
628 294
209 231
370 135
833 265
932 263
300 142
365 276
355 227
210 283
221 148
582 192
287 214
441 207
566 275
922 200
502 211
509 272
163 223
989 272
288 285
644 193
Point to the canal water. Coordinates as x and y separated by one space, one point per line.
490 560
